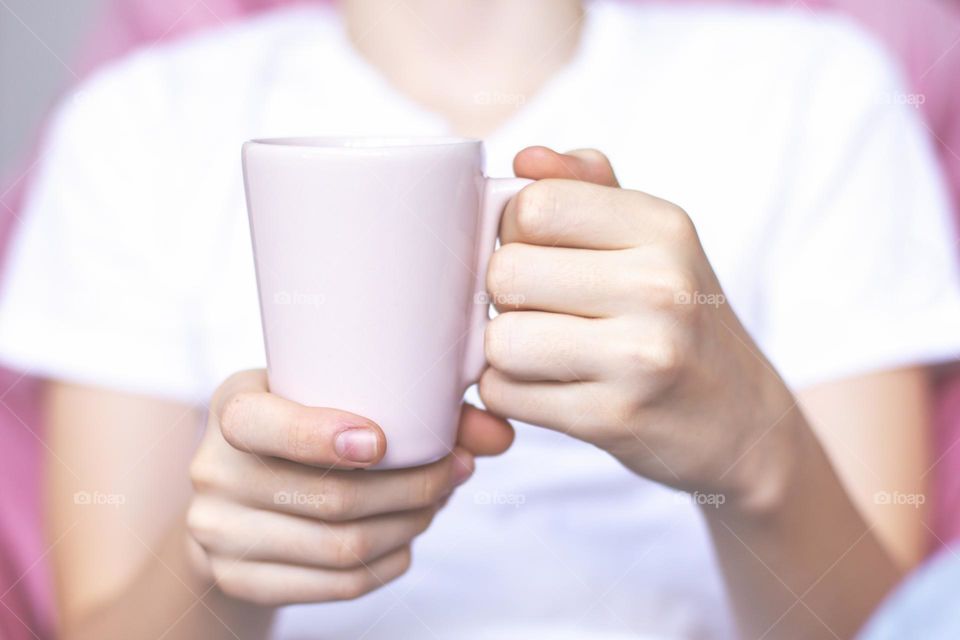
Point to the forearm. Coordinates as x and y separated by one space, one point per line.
171 599
806 564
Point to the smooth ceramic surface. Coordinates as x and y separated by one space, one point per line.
371 257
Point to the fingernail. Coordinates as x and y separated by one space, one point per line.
462 468
357 445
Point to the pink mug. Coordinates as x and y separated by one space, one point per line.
371 258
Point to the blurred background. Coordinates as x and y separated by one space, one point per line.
39 42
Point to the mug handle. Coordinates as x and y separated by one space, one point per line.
497 193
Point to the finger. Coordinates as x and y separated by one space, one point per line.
252 419
532 345
340 495
227 529
569 407
567 213
587 165
482 433
573 281
272 584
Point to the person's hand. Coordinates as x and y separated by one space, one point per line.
282 515
614 329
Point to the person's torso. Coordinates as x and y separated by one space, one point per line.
555 536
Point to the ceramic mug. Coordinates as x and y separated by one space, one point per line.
371 258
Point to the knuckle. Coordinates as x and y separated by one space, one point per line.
678 282
634 354
662 357
502 270
202 524
233 581
352 585
497 340
424 521
594 155
203 475
405 560
683 287
665 358
677 224
671 288
357 582
354 548
618 415
534 204
427 487
229 583
340 500
234 413
491 391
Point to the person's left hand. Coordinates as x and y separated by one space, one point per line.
613 328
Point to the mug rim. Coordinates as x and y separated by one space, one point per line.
361 143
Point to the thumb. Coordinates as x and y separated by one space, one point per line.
253 420
586 165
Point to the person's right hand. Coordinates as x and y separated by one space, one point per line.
280 514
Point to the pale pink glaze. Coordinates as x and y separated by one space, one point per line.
370 257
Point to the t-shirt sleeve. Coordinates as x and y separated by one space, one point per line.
861 271
92 292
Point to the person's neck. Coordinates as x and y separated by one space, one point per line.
472 61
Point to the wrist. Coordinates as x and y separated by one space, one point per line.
770 469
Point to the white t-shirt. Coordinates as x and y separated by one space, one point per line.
784 135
